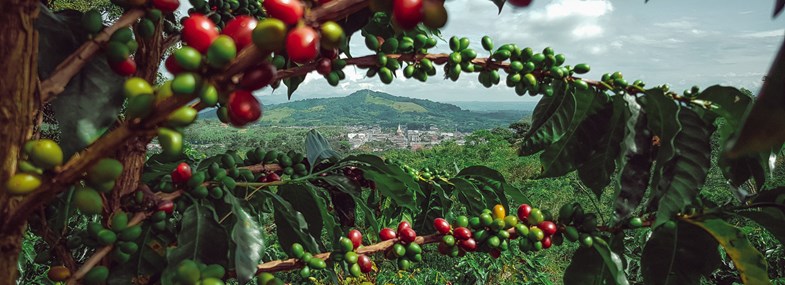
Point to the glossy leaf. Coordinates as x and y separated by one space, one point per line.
469 195
344 185
769 218
764 124
292 83
677 256
304 202
436 203
249 245
589 122
95 87
390 180
634 177
600 166
750 263
317 148
550 119
376 163
686 172
596 265
201 238
291 226
663 121
499 4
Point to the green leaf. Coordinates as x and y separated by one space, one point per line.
776 195
379 165
764 124
317 148
291 225
469 195
635 174
590 122
748 261
64 211
550 119
770 219
309 205
390 180
145 263
741 169
681 255
343 184
249 245
499 4
596 265
292 83
201 238
157 166
436 204
95 87
663 121
778 7
495 180
596 172
686 172
727 102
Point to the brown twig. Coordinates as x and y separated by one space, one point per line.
67 69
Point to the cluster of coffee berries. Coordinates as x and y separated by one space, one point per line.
406 250
38 156
190 272
356 264
309 261
356 176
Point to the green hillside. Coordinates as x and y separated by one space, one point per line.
366 107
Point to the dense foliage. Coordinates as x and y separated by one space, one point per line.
99 216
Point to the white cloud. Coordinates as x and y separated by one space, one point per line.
587 31
766 34
561 9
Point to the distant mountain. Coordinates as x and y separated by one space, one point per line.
524 106
366 107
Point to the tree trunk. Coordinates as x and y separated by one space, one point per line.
18 107
132 153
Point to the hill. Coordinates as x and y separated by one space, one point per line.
366 107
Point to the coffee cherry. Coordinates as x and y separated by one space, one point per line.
269 35
407 13
536 216
45 153
332 35
441 225
288 11
468 244
243 108
172 66
636 222
297 250
546 242
462 233
258 77
536 234
240 29
403 225
302 44
22 184
126 67
346 244
365 263
434 14
181 173
524 210
324 66
199 32
407 235
387 234
462 221
166 6
58 273
356 237
166 207
586 240
222 51
547 227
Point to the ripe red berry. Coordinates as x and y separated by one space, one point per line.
166 6
546 242
441 226
262 179
407 235
166 207
258 77
520 3
365 263
356 237
387 234
172 66
462 233
523 211
324 66
495 253
181 173
288 11
199 32
302 44
547 227
468 244
403 225
272 177
444 248
126 67
407 13
240 29
243 108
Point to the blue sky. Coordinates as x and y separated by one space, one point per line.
679 42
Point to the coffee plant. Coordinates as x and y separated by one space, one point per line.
108 214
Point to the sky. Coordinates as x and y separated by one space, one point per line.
678 42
